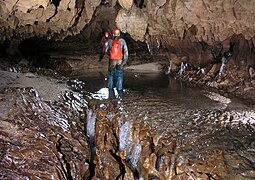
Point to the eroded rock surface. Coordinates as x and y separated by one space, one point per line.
209 21
51 19
41 139
206 20
206 42
198 148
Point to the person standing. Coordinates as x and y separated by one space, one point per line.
118 56
103 42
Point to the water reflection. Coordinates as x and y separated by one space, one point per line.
96 80
142 88
158 99
102 94
105 93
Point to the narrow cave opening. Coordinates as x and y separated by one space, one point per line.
56 2
140 3
79 3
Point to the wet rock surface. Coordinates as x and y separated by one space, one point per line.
208 147
41 139
49 132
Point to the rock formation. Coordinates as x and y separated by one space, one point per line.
202 20
206 42
180 29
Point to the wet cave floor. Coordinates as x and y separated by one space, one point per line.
192 132
158 128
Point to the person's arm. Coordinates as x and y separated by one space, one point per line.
125 52
108 46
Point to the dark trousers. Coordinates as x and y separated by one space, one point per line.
115 68
101 56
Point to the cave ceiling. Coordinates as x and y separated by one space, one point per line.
200 20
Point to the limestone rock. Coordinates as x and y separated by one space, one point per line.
46 19
126 4
211 21
253 83
133 22
214 21
112 2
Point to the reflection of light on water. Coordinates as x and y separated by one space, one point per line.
101 94
246 117
217 97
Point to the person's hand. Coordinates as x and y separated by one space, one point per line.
122 66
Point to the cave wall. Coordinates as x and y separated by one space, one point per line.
190 30
42 18
210 20
182 30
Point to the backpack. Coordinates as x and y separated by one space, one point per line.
116 50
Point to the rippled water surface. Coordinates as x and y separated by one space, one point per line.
164 101
158 98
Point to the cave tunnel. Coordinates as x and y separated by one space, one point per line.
87 42
186 109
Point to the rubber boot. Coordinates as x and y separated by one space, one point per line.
120 95
110 79
111 94
119 75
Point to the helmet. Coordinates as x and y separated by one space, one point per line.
116 32
106 34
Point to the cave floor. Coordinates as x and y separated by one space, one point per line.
42 118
